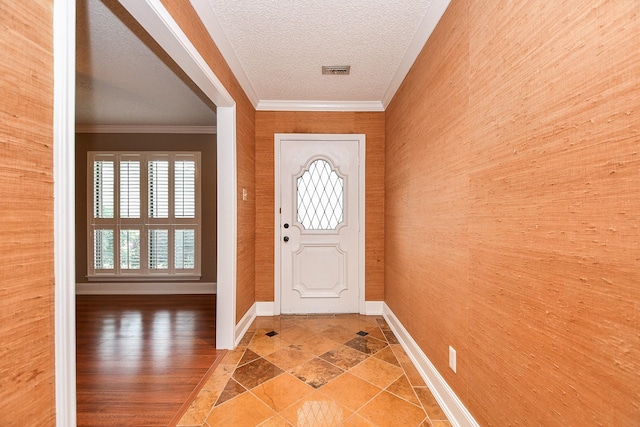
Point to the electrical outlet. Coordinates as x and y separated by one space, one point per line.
452 359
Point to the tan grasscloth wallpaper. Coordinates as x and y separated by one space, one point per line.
26 214
268 123
513 206
503 206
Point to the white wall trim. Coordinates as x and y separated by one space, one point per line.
357 106
157 21
227 229
146 288
265 308
374 308
212 24
452 406
244 323
146 129
428 24
362 148
64 70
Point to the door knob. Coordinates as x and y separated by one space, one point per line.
286 238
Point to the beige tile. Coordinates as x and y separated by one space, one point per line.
319 324
264 345
199 408
377 372
231 390
350 391
402 388
289 357
340 334
295 333
282 391
389 410
344 357
316 410
391 338
356 420
356 322
256 372
440 424
367 345
316 372
219 378
430 404
410 370
267 323
376 333
275 421
383 324
387 355
248 356
244 410
246 339
233 357
317 345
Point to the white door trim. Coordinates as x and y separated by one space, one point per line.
64 73
163 28
278 138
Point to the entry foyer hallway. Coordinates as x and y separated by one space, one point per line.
316 370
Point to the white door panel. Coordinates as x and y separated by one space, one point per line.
319 224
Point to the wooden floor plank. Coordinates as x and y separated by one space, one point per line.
139 357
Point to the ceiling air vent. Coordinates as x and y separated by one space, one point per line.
342 70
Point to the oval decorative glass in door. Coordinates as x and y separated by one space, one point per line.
320 194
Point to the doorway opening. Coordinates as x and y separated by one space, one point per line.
155 19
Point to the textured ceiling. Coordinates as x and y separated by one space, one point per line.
124 78
276 48
282 45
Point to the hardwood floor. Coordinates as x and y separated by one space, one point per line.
139 357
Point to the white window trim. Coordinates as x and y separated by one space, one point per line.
144 224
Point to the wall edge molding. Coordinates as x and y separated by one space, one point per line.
424 31
265 308
244 323
320 106
373 308
146 288
146 129
453 407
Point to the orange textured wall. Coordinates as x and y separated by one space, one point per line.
269 123
190 23
513 206
27 394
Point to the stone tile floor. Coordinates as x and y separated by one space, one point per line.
316 370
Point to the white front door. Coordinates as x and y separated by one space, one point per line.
319 240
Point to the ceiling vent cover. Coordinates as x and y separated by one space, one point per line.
342 70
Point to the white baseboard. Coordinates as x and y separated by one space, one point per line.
244 323
450 403
373 308
146 288
265 308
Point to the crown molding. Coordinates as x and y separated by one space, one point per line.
212 24
146 129
357 106
424 31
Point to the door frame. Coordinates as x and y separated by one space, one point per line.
162 27
361 139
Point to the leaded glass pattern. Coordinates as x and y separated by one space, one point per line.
320 197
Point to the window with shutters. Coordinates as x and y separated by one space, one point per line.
144 215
